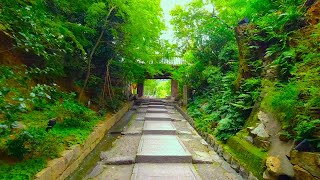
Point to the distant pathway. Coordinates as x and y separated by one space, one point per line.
160 144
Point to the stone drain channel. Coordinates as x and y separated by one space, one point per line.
157 143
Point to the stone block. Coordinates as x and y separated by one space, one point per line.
227 156
252 177
301 174
76 151
307 160
243 172
44 174
235 164
68 156
57 167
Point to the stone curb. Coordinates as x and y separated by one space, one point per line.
211 140
60 168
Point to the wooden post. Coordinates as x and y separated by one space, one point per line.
140 89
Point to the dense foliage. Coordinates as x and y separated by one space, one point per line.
277 64
93 48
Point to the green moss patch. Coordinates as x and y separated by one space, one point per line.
249 156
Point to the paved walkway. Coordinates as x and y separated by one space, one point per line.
160 144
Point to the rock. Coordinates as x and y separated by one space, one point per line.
301 174
263 117
103 155
279 166
243 172
307 160
18 125
249 139
227 156
235 164
96 171
267 176
252 177
119 160
260 132
220 150
261 143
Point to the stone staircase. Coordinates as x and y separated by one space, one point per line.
159 144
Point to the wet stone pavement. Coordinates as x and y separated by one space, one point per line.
160 144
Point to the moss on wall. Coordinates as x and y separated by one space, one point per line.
249 156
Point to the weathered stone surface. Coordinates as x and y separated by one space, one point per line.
201 158
119 172
252 177
307 160
227 156
260 142
249 139
267 176
162 148
96 171
159 127
68 155
216 172
220 150
302 174
157 117
243 172
279 166
45 174
260 132
57 167
235 164
104 155
122 160
164 171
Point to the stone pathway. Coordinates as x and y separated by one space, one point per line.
160 144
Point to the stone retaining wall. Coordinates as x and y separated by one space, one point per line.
218 147
69 161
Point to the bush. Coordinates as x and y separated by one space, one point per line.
34 143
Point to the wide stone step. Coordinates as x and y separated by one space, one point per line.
159 127
162 149
157 106
156 110
164 171
157 117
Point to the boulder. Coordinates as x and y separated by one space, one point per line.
279 166
309 161
260 132
249 139
302 174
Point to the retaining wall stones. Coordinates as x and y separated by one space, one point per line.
61 168
211 140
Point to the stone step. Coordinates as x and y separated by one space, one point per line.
162 149
166 171
157 106
156 110
159 127
157 117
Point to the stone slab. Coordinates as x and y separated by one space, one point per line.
116 172
157 117
156 110
157 106
162 149
164 171
159 127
